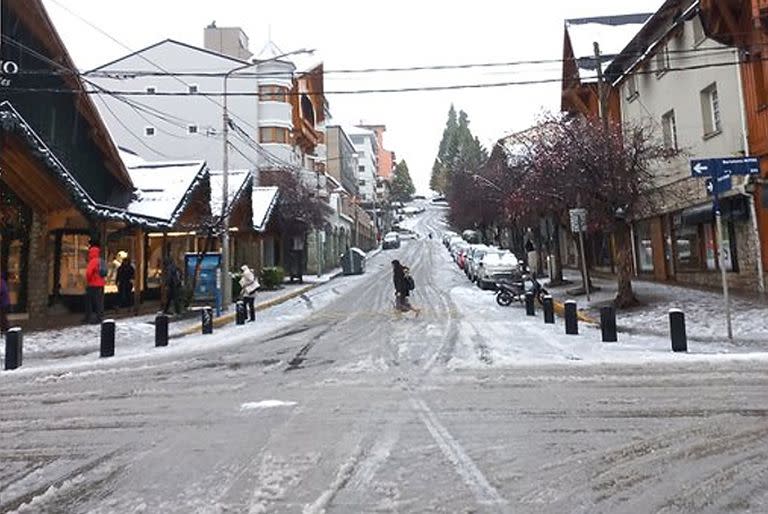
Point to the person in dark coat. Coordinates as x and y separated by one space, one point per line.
5 302
173 283
125 276
403 286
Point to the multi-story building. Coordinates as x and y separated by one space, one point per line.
366 147
386 158
742 24
342 159
671 77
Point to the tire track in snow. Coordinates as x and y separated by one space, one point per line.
484 492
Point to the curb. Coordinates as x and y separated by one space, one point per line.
230 317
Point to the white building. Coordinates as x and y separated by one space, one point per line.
177 120
672 78
366 148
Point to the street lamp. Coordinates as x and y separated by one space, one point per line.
226 282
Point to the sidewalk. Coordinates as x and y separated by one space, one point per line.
704 310
81 340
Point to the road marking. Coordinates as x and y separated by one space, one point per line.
484 492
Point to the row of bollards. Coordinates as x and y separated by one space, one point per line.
607 321
14 337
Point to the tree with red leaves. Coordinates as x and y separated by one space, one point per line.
299 208
577 162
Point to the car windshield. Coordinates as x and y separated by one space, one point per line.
408 257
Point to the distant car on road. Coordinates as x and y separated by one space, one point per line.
419 197
391 240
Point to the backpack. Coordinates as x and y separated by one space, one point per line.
409 283
103 271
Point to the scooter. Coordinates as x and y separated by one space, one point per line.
510 291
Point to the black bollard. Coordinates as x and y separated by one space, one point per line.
108 338
549 310
608 324
530 306
13 348
571 318
240 313
161 330
207 319
677 330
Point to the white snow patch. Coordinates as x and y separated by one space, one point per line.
266 404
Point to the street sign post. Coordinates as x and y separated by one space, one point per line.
579 224
718 173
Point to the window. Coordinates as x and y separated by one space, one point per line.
193 90
273 94
632 88
670 130
361 168
688 248
698 31
644 246
710 110
151 90
662 61
362 182
192 129
149 131
273 135
759 79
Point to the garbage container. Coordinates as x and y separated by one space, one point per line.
353 262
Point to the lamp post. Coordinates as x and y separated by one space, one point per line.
225 258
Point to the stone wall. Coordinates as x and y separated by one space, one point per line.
40 250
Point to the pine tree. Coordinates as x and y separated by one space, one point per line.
402 185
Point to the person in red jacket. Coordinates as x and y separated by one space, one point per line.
94 292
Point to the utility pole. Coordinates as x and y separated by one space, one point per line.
226 284
601 93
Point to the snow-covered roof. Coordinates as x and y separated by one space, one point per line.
358 131
130 159
263 201
164 188
612 33
236 183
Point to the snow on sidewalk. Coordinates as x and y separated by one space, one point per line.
495 336
704 311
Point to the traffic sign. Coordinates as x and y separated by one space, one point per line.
719 185
725 166
578 220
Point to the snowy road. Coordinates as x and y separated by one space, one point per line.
468 408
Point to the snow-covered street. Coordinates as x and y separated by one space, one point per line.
331 403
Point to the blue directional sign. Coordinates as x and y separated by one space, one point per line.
719 185
725 166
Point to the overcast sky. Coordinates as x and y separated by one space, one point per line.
396 33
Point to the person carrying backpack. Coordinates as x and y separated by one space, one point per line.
172 281
404 284
95 273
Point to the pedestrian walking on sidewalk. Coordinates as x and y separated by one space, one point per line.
95 274
5 302
125 275
404 284
249 285
173 283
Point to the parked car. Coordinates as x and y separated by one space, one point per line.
472 236
391 240
452 242
447 235
475 257
496 266
457 249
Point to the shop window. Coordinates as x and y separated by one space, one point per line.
687 248
644 246
74 260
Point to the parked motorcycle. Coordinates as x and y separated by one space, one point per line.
508 291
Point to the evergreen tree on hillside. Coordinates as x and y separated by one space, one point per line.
402 185
459 152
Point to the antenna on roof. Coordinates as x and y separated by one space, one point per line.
212 25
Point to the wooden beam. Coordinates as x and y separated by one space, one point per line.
573 96
728 17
